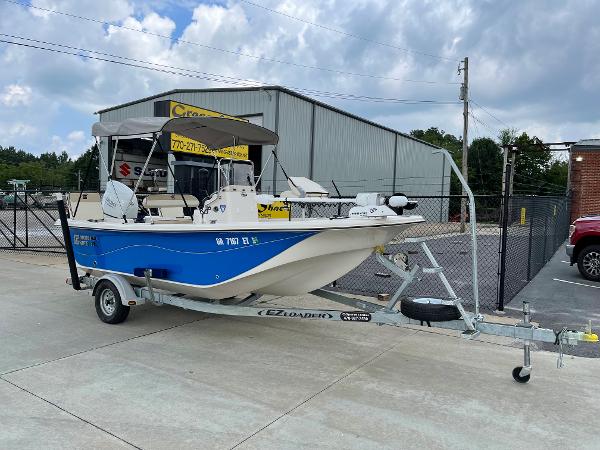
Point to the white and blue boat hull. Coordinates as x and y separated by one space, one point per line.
222 263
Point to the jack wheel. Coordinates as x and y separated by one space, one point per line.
108 303
516 373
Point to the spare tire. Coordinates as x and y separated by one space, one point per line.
429 309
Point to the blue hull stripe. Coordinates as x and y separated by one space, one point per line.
200 258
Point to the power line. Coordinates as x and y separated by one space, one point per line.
222 50
132 59
482 122
491 115
214 77
352 35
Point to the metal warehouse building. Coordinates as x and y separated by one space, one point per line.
317 141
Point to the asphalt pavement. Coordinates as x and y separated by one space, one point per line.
560 297
169 378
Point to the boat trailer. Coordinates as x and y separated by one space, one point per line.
114 295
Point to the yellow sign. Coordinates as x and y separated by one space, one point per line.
183 144
523 213
275 210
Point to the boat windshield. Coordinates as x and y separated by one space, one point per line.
238 173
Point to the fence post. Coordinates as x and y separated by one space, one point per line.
503 237
531 218
26 222
15 217
545 236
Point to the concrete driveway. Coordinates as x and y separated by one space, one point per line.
561 297
167 378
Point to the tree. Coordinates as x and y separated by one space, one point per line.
533 165
485 166
447 141
48 170
80 165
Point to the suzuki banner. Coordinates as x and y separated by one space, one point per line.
130 169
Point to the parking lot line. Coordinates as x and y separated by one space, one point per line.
574 282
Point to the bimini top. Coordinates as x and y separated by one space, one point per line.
214 132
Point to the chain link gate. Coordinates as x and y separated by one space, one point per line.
27 221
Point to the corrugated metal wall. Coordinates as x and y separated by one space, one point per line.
357 155
293 150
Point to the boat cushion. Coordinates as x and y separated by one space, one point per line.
170 201
90 207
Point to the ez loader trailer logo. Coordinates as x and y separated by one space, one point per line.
294 314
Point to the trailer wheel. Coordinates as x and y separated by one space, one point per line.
516 373
429 309
108 303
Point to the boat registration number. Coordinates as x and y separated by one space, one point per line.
84 240
229 241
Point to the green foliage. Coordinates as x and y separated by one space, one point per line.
535 171
485 166
447 141
47 171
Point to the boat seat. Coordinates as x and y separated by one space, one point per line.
170 206
162 220
90 206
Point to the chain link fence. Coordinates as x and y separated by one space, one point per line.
537 227
27 221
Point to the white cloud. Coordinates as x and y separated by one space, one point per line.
76 136
15 95
511 71
16 130
74 144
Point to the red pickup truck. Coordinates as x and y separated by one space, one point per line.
584 246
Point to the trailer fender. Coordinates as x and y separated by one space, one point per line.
124 287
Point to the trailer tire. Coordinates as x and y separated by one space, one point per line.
429 310
516 373
108 303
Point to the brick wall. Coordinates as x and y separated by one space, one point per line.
585 182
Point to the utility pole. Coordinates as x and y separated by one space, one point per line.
79 180
464 96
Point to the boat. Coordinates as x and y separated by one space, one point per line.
220 248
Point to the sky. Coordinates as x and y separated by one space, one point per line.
533 65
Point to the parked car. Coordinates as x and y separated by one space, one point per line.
584 246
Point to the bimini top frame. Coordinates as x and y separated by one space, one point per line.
214 132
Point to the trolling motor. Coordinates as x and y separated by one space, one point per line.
399 202
378 205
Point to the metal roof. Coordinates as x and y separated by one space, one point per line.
588 144
267 88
